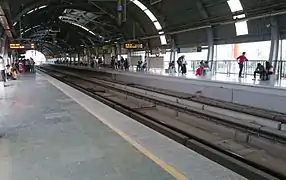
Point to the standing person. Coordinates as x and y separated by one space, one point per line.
184 68
200 70
21 67
139 65
92 63
100 62
8 72
180 63
113 62
206 68
14 72
172 69
2 70
121 63
241 60
27 65
32 65
126 64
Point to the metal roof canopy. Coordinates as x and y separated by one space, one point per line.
184 20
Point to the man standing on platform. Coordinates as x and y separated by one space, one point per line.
241 60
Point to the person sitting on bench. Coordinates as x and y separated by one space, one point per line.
259 70
268 70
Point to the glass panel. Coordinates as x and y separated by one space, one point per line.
254 51
225 52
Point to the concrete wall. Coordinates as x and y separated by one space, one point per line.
270 98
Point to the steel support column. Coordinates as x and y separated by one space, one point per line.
4 50
173 50
274 48
210 57
119 51
210 35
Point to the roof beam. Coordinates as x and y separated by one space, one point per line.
100 8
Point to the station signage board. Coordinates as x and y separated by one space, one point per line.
189 50
22 46
120 8
133 46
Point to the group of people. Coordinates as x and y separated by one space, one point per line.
182 66
141 66
11 72
20 66
122 64
264 72
203 69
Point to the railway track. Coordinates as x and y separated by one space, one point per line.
268 114
224 139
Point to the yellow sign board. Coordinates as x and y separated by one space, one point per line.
133 46
16 46
21 46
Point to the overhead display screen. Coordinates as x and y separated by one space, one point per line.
133 46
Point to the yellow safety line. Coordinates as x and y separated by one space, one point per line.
168 168
171 170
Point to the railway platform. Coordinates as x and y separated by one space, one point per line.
265 96
50 130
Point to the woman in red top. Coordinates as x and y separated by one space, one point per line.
241 60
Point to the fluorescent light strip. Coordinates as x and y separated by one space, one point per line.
38 8
152 17
163 40
241 28
29 29
157 25
139 4
41 7
239 16
235 5
29 12
78 25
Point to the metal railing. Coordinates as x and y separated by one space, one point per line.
231 67
225 67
